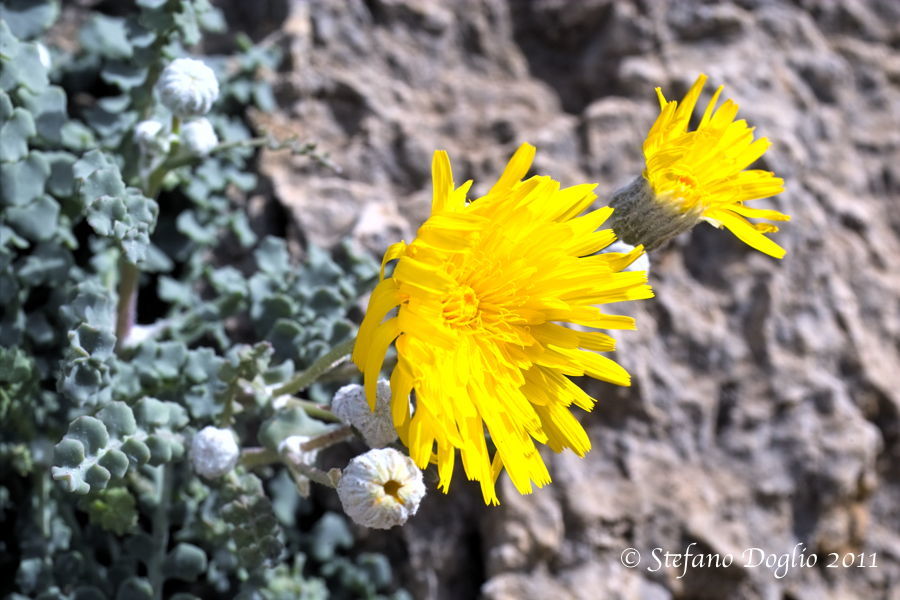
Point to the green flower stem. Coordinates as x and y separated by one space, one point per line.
328 478
297 148
325 363
156 177
227 416
301 471
258 456
129 273
126 311
328 439
160 531
314 410
255 457
41 478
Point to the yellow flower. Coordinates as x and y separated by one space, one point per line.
479 298
699 175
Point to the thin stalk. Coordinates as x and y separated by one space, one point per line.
296 148
129 274
227 415
126 311
160 531
42 476
259 457
327 478
325 363
314 410
327 439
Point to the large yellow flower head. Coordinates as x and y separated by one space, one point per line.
475 305
699 174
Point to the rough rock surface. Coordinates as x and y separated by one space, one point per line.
765 408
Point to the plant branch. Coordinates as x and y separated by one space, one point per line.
160 531
327 478
325 363
296 147
126 310
327 439
259 456
314 410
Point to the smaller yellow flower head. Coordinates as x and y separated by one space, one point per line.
702 172
476 306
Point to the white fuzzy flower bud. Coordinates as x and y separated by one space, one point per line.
381 488
377 428
642 263
188 88
214 452
199 137
151 137
639 217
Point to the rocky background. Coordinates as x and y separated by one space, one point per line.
765 409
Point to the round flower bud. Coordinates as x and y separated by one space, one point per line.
199 137
214 452
188 88
381 488
639 217
349 405
151 137
641 263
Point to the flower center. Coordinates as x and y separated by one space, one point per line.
460 306
684 190
686 180
392 488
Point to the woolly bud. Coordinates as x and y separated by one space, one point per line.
199 137
151 137
381 488
349 404
642 218
214 452
188 88
641 263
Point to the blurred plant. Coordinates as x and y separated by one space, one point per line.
132 367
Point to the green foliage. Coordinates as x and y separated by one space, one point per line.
253 528
17 379
21 62
114 211
289 583
97 449
86 375
14 134
301 311
186 562
113 509
95 421
330 535
29 18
